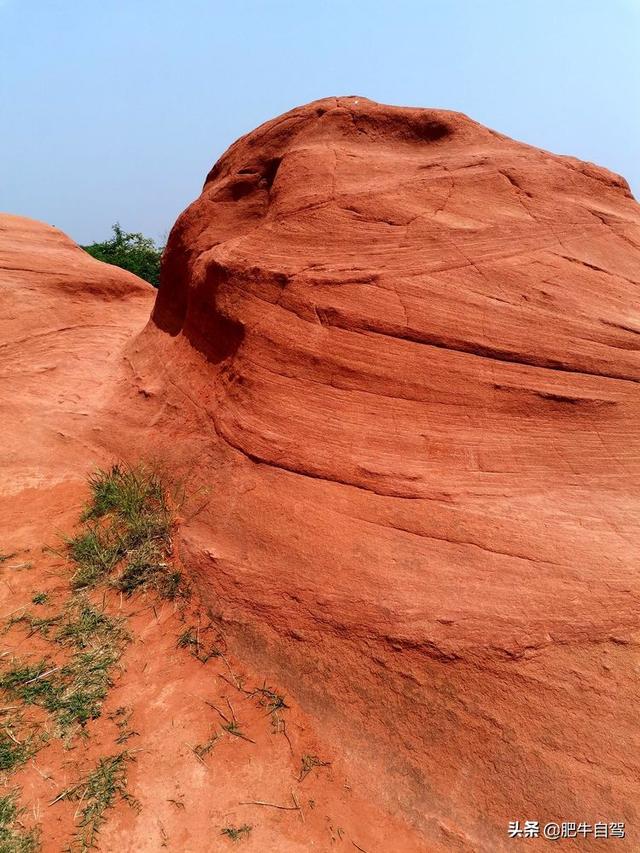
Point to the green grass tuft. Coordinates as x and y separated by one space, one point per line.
127 491
191 639
202 749
16 747
14 838
98 791
122 717
12 754
270 700
96 552
127 525
236 833
71 692
308 762
37 624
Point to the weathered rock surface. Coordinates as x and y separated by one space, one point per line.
64 321
401 354
66 403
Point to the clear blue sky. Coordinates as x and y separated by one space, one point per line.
116 109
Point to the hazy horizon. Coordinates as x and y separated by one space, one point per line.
117 112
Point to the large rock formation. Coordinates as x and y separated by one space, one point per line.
64 322
401 354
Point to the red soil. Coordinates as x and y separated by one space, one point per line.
395 358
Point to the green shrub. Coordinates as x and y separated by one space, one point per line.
131 251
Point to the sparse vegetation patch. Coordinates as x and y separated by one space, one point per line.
202 749
72 691
308 762
124 542
196 639
14 838
126 535
18 741
122 717
98 792
269 699
236 833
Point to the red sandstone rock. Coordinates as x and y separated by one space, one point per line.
396 356
64 320
403 352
